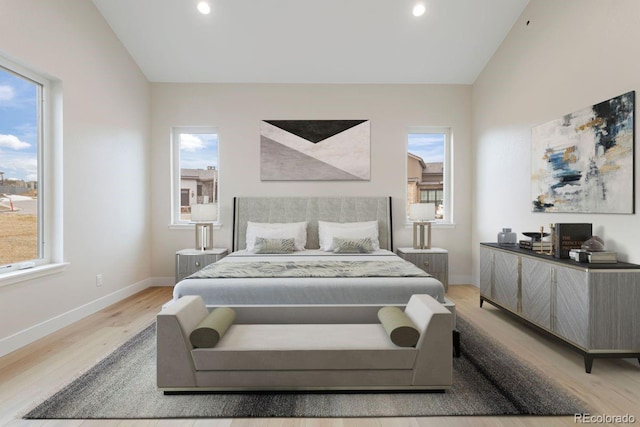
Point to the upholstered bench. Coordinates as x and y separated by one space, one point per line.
305 353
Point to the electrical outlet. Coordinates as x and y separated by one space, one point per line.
99 280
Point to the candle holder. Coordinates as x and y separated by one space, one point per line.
541 251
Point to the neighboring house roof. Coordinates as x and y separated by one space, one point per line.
198 174
434 168
432 172
418 158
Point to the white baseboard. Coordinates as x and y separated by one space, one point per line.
163 281
460 280
34 333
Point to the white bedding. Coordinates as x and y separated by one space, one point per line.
309 290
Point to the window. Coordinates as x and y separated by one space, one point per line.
24 225
429 170
432 196
195 174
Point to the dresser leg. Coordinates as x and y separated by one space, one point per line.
588 363
481 301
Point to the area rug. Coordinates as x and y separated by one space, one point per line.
488 380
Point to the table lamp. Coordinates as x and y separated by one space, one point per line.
422 214
204 215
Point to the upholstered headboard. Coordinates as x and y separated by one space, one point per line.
312 209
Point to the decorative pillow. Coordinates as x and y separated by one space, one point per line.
347 230
295 230
212 328
352 246
399 327
273 246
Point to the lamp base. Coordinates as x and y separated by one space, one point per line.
204 236
419 235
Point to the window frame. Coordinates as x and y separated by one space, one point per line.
49 157
447 173
176 222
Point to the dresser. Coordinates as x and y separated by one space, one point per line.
591 307
188 261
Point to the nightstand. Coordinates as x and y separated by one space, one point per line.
188 261
434 261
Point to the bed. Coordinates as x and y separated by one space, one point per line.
306 277
309 277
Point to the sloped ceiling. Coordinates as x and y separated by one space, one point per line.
304 41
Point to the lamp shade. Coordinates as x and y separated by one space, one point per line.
203 212
422 211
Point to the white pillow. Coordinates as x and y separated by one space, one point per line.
295 230
347 230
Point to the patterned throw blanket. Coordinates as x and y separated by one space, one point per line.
309 269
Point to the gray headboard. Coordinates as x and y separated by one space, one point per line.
312 209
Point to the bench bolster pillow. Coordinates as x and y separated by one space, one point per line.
212 328
401 330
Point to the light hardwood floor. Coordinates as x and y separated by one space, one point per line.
36 371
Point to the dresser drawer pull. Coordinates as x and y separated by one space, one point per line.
197 263
426 263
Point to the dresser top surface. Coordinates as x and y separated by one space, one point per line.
568 262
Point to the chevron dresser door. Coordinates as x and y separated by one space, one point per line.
506 274
536 291
572 305
486 272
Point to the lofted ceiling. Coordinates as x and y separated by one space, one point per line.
304 41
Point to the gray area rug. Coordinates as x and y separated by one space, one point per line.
488 380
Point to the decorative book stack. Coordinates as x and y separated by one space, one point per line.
602 257
535 246
569 236
579 255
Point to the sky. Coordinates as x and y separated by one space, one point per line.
198 151
18 127
428 146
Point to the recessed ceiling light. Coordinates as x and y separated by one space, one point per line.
204 8
419 9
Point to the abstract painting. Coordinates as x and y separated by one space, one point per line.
315 150
583 162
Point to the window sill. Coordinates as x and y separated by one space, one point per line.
409 224
31 273
191 226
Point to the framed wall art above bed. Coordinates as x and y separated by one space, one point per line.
315 150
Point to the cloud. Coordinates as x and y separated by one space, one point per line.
6 93
189 142
11 141
425 139
428 148
19 166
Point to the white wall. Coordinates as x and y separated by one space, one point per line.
573 54
106 164
237 111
